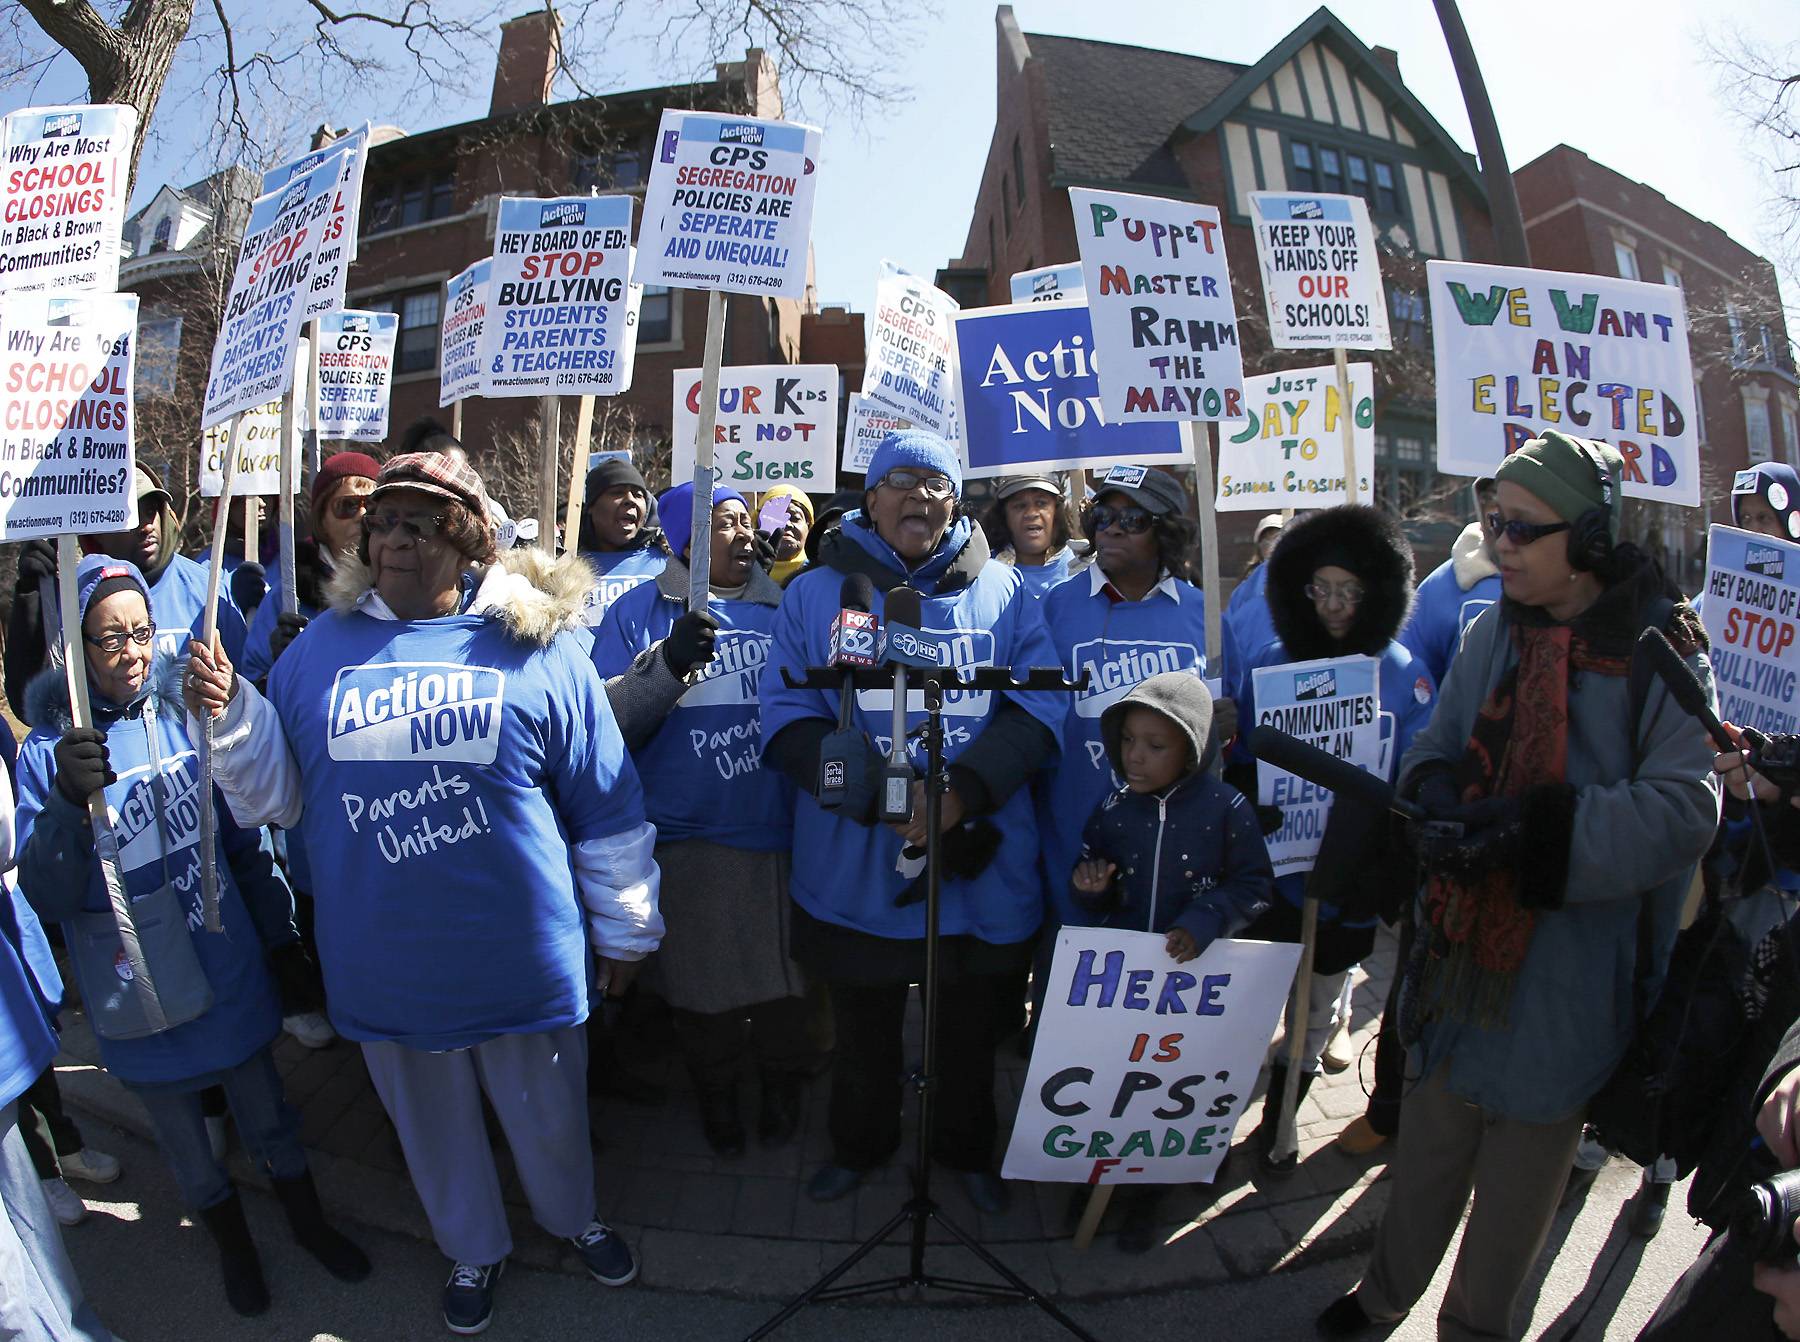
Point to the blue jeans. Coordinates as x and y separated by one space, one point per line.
269 1128
40 1298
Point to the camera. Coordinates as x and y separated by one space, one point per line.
1762 1224
1776 758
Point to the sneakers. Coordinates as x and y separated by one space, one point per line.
95 1167
604 1254
65 1202
469 1297
310 1028
1340 1049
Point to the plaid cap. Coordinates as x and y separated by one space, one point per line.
434 473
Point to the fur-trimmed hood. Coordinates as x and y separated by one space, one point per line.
534 594
1362 539
47 697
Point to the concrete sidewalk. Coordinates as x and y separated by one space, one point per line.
745 1228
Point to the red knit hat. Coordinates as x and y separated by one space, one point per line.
342 466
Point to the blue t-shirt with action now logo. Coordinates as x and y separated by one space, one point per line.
702 772
447 766
616 573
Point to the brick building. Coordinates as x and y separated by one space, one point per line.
1583 216
1320 111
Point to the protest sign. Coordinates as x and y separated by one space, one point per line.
1752 614
555 322
1049 284
67 171
259 445
1288 452
337 249
729 205
1160 295
1321 273
908 369
865 425
1333 703
465 312
1027 396
356 374
66 448
1520 351
777 424
1143 1066
252 360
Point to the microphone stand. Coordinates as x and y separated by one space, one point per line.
921 1209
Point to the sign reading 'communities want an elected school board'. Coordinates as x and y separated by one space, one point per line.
64 197
66 449
729 205
1521 351
1333 703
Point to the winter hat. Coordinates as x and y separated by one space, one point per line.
434 473
1008 485
144 484
609 474
1566 473
677 509
1152 490
1182 698
1352 536
914 449
1777 485
98 577
340 466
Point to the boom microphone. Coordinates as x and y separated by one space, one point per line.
1686 688
1328 771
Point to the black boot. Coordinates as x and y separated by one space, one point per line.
1272 1120
779 1117
720 1118
306 1218
1264 1136
238 1263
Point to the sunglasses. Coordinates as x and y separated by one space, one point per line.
347 506
934 486
114 640
1327 595
1132 520
420 526
1522 533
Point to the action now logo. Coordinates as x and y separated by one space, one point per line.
159 812
1115 666
416 711
562 215
356 323
741 134
1765 559
295 197
1315 685
1306 209
63 125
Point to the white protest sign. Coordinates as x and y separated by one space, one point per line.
1333 703
252 360
1289 450
1321 273
1520 351
777 425
1752 612
465 313
356 374
729 205
634 306
865 425
1143 1066
1049 284
909 365
555 323
337 248
64 197
1159 294
66 448
259 443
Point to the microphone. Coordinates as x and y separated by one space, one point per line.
904 646
855 642
1686 688
1328 771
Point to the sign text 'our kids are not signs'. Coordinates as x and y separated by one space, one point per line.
1160 295
1520 351
777 425
729 205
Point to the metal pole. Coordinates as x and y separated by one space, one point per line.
1503 200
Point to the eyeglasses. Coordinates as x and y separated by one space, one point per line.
1522 533
420 526
905 482
1132 520
347 506
1350 594
114 640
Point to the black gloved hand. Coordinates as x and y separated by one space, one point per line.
765 551
1268 818
249 585
862 773
691 642
37 561
297 978
1434 788
82 767
287 629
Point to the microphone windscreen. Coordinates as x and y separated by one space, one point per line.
1675 673
1318 766
857 593
903 608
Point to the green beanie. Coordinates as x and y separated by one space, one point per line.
1565 473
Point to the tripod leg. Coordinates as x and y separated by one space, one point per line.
1013 1279
823 1284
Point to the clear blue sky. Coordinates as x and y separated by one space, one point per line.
1618 79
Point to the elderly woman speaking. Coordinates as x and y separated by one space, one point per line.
442 739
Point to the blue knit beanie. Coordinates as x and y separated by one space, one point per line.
918 450
96 570
676 508
1777 485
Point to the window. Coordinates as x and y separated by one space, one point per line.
165 229
656 316
1756 427
1358 167
158 352
1320 167
416 347
1387 199
1331 170
620 168
1790 430
1734 318
1671 276
1625 257
1408 309
1018 171
404 201
1303 175
1408 450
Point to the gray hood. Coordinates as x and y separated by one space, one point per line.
1180 696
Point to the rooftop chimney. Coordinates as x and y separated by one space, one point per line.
1388 57
529 48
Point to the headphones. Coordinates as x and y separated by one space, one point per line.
1590 535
